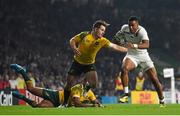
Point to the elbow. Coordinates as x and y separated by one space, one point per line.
125 49
71 41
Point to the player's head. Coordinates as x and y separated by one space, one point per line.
133 24
99 28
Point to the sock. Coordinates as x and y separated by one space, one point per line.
126 90
161 99
22 97
17 95
66 96
29 101
25 76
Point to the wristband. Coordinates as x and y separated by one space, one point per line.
135 45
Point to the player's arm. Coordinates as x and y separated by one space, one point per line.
118 48
143 45
97 102
74 45
92 98
77 103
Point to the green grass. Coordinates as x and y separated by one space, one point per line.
112 109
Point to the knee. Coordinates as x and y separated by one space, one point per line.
30 88
29 85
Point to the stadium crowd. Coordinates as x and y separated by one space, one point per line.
36 34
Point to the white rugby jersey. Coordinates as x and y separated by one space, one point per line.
135 38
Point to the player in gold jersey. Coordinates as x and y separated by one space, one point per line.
82 96
54 98
85 46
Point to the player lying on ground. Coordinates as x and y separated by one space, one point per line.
54 98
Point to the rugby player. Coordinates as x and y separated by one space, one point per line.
80 96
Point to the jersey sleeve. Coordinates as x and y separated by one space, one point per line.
80 36
124 28
143 34
91 95
106 43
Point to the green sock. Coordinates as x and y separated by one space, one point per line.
25 76
30 102
22 97
66 96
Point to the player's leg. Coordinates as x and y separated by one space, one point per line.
128 65
22 97
91 75
50 96
92 78
21 70
152 73
45 104
42 104
73 74
34 90
71 80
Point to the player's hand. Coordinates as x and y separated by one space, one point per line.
98 105
102 106
76 51
61 106
129 45
95 105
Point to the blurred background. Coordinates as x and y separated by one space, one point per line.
36 34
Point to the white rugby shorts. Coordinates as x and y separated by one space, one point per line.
141 59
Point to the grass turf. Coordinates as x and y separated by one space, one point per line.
112 109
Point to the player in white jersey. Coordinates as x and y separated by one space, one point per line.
137 41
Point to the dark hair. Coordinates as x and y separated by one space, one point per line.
98 23
133 18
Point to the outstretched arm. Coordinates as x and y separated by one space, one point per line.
97 102
118 48
78 103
